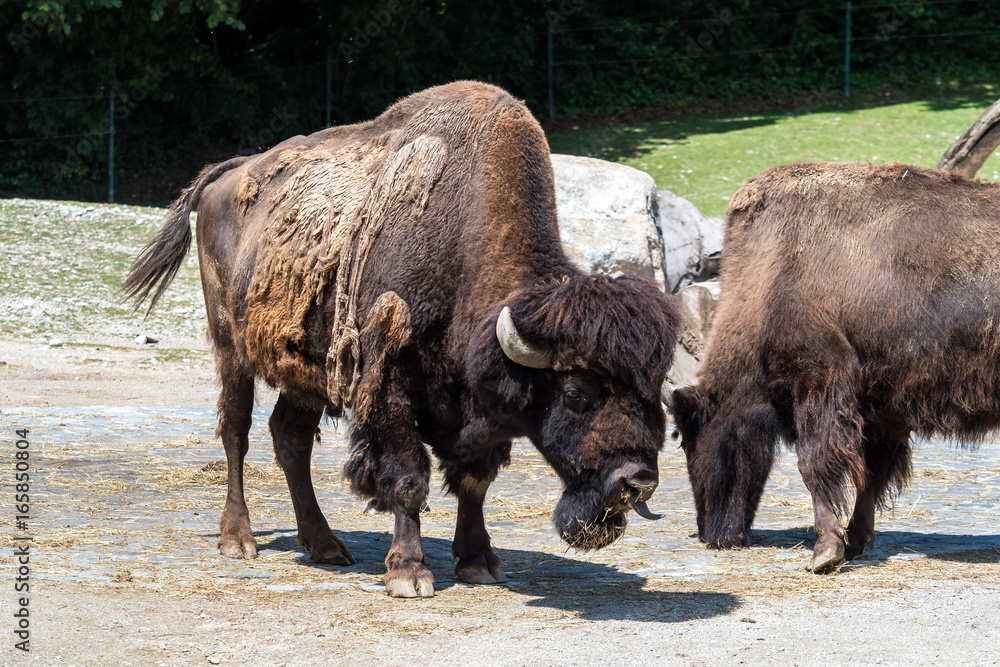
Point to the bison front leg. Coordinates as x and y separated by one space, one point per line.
406 575
830 451
830 548
390 465
235 412
293 428
477 564
861 529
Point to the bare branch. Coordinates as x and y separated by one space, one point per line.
972 149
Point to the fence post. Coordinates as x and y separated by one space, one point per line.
552 103
111 146
847 53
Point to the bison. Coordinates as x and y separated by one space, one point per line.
860 304
407 272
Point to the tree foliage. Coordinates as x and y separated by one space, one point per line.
211 77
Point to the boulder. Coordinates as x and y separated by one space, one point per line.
697 304
613 221
692 242
608 217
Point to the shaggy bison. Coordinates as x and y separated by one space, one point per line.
860 304
408 271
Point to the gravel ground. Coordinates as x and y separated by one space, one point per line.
124 522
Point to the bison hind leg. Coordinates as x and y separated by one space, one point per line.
236 539
293 428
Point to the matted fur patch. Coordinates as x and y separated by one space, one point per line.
329 204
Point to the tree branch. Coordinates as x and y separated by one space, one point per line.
972 149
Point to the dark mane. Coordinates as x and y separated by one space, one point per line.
624 326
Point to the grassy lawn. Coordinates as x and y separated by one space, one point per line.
705 158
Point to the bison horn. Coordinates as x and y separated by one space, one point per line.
516 348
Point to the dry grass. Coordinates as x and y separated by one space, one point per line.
501 508
216 474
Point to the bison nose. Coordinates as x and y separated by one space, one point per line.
637 481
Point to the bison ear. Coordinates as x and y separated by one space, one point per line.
690 410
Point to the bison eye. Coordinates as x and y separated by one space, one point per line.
574 400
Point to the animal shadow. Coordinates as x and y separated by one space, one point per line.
591 591
890 544
599 592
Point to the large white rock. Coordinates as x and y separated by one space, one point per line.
613 221
608 217
692 242
697 304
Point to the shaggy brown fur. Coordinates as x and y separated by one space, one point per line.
364 267
860 303
314 214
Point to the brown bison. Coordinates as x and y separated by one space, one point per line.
408 270
860 304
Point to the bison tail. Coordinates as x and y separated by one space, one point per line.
157 264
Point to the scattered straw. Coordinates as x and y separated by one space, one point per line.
216 474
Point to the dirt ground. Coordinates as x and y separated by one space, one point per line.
124 569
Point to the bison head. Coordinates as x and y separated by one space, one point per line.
729 449
577 366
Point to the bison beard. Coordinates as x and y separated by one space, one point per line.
860 304
408 271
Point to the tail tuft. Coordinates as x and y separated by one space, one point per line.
155 267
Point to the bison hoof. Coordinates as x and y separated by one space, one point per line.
409 580
827 555
480 570
735 541
234 546
856 545
327 549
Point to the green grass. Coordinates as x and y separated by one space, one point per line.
705 158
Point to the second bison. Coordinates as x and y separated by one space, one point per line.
860 304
